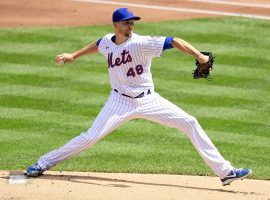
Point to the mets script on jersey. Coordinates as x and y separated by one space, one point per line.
129 63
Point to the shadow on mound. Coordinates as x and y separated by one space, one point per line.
86 179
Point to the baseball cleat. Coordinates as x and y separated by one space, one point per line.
236 174
34 171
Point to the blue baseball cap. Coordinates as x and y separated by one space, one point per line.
123 14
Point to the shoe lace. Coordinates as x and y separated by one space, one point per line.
237 170
36 166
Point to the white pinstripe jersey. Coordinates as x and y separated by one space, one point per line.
129 63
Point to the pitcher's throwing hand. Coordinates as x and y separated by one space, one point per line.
64 58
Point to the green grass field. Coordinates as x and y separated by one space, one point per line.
43 106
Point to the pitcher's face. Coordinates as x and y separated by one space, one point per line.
125 28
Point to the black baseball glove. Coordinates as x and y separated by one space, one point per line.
203 69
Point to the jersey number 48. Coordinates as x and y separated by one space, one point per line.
138 71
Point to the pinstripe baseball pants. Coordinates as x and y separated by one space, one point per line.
120 109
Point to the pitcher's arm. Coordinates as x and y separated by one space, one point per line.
70 57
189 49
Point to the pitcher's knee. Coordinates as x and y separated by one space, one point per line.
88 135
93 136
187 123
192 120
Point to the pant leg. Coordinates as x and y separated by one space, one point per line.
166 113
112 115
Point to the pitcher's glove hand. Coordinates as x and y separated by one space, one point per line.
203 69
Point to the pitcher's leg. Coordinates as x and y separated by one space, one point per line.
205 147
164 112
111 116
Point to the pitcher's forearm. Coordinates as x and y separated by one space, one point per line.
89 49
188 49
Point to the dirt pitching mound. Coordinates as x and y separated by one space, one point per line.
86 185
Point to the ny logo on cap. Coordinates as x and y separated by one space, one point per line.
130 11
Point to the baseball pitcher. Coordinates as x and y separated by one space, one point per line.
129 58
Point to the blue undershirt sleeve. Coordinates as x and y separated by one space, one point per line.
168 43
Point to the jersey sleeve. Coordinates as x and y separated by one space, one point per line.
101 45
104 44
152 46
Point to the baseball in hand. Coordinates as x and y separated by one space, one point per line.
60 59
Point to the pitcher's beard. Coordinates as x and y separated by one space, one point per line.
128 34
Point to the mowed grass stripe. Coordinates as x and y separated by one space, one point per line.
221 52
49 81
56 71
85 83
219 123
233 60
95 158
58 76
45 115
47 105
177 88
42 80
39 126
212 100
10 135
42 60
59 94
25 58
233 113
28 108
226 31
229 125
227 81
209 89
232 71
40 117
232 57
22 48
249 140
180 98
185 69
37 60
220 80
